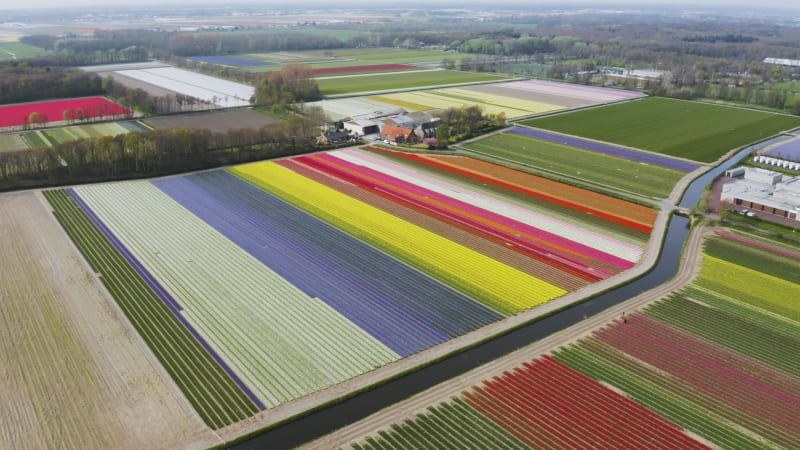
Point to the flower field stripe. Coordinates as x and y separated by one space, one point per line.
461 212
53 110
558 249
401 307
498 285
217 399
608 149
592 240
280 342
771 248
159 290
760 289
578 270
546 404
638 217
369 68
452 230
625 213
742 391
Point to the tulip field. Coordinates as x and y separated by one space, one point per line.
60 110
270 281
563 159
717 360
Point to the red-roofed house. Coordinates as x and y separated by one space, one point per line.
399 134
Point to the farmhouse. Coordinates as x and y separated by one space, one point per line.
399 134
764 191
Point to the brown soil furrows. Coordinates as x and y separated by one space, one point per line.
73 373
690 264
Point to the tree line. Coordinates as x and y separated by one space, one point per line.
21 82
150 153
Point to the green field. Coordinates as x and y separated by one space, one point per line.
697 131
10 49
44 138
321 59
598 168
10 142
214 395
385 82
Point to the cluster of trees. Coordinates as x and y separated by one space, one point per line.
293 83
151 153
208 43
21 82
457 124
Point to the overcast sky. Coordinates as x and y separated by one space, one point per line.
16 4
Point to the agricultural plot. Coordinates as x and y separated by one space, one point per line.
601 147
566 95
401 307
234 61
788 150
359 56
539 404
210 89
74 375
60 110
695 131
351 84
676 365
10 142
215 121
280 342
564 255
212 392
17 50
459 98
564 160
61 135
321 72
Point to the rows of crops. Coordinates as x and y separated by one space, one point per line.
404 310
394 81
585 165
390 195
212 392
281 342
601 206
539 404
58 110
697 131
512 107
722 367
296 275
52 136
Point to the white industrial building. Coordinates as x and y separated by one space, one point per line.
764 191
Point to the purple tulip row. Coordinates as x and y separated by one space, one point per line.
403 308
606 148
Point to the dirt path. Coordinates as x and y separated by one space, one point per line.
72 374
690 263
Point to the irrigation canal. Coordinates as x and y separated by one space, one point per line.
327 420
